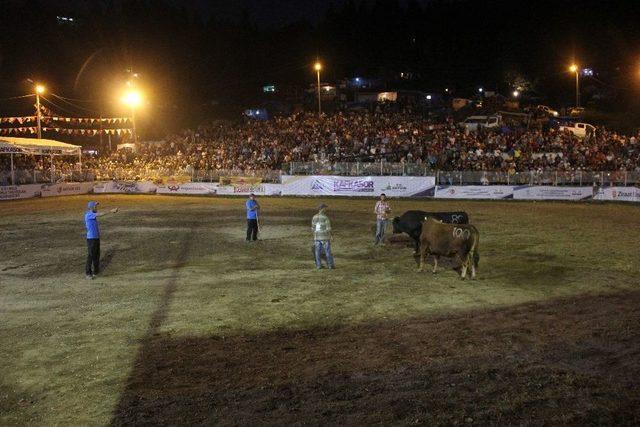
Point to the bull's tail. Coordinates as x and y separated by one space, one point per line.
474 254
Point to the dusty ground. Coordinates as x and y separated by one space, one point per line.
188 324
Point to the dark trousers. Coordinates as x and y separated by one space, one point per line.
252 229
93 256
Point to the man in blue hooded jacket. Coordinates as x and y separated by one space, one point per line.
93 238
253 215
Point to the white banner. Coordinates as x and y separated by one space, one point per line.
12 192
474 192
622 194
66 188
200 188
125 187
246 189
552 193
329 185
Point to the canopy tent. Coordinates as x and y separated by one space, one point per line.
39 147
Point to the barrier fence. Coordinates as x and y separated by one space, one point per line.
44 176
332 185
578 178
552 178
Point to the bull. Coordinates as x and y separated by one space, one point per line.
450 240
410 222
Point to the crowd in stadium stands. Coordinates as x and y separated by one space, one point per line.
361 137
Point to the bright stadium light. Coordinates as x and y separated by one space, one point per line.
575 69
132 99
40 89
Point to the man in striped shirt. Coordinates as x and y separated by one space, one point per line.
321 227
382 211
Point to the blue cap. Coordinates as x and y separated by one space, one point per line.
92 205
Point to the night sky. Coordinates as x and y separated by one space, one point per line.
266 13
202 58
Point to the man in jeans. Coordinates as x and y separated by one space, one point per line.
93 238
382 210
253 211
321 227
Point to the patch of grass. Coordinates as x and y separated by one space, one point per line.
180 274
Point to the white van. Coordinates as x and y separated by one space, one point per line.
578 129
474 123
548 110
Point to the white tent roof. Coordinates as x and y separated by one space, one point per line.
9 144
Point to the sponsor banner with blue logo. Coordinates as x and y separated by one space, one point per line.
372 186
128 187
261 189
474 192
196 188
12 192
66 188
621 194
547 192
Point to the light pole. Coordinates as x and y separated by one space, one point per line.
575 69
318 66
132 99
39 91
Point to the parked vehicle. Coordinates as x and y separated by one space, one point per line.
548 110
576 111
580 130
474 123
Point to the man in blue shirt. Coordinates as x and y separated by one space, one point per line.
253 214
93 238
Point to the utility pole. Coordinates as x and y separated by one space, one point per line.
318 66
39 90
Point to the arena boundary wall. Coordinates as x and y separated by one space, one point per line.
330 185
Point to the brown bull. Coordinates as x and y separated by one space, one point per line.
450 240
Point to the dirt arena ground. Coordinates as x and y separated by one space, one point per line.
188 324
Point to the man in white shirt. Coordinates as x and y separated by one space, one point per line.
382 210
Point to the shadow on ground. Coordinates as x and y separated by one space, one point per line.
571 361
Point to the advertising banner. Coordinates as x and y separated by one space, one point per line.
621 194
552 193
13 192
66 188
240 180
474 192
372 186
246 189
173 179
196 188
130 187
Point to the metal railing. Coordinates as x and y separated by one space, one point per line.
578 178
555 178
358 168
209 175
44 176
